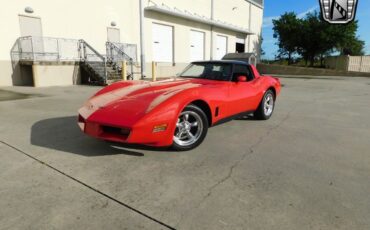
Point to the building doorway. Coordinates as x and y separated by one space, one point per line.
221 47
196 45
113 35
30 26
240 44
162 43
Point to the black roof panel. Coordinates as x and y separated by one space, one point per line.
223 62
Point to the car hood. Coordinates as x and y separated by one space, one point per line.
131 103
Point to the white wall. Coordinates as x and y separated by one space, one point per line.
256 27
86 19
349 63
55 75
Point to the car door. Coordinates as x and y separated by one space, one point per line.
243 96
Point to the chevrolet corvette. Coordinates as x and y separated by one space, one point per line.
178 112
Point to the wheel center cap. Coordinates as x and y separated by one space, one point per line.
185 126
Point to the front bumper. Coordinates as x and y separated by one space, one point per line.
101 131
131 135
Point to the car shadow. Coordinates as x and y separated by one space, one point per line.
63 134
246 118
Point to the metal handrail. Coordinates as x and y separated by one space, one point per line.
119 50
33 48
96 54
15 45
111 57
46 48
91 48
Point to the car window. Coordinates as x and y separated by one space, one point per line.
208 70
195 71
242 70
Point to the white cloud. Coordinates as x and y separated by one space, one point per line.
267 22
311 10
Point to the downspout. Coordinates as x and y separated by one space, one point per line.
259 56
142 40
249 27
212 18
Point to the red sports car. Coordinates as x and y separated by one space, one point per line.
177 112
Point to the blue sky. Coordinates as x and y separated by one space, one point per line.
275 8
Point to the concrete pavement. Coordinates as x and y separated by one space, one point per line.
308 167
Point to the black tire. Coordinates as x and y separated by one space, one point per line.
195 115
261 113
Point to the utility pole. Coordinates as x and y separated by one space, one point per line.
212 18
142 40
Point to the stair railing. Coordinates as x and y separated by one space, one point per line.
30 49
116 56
90 56
49 49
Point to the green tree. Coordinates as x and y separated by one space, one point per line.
262 51
286 30
314 39
317 39
348 43
355 48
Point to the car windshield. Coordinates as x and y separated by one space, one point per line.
210 71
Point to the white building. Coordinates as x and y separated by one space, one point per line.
175 33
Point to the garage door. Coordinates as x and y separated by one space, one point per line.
221 47
162 43
196 46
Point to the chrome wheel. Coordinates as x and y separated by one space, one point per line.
189 128
268 105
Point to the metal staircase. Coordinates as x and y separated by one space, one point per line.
116 58
94 63
106 69
100 69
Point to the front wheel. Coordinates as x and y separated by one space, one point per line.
191 129
266 108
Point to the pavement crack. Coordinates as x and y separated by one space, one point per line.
248 153
90 187
236 163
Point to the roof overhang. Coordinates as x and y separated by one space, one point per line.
258 3
197 18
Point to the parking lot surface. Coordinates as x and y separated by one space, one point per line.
308 167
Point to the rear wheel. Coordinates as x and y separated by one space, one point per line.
266 108
191 128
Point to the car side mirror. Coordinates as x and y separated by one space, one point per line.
242 79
